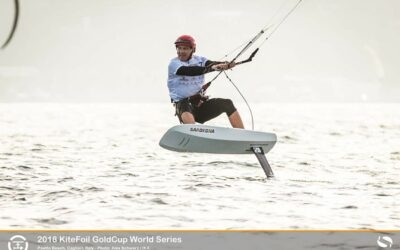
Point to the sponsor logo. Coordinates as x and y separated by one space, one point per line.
17 242
203 130
384 241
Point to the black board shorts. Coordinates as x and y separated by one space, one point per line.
208 110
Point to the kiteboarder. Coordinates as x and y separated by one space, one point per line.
186 84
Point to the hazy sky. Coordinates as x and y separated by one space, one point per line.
119 50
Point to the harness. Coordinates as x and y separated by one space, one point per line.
197 99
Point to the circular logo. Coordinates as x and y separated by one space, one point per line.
17 242
384 241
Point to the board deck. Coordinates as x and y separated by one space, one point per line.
215 140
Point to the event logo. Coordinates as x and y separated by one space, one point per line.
384 241
17 242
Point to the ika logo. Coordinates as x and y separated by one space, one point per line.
17 242
384 241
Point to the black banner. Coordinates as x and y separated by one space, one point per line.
197 240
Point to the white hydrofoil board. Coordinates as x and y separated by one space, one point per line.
215 140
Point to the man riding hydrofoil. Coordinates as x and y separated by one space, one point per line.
186 86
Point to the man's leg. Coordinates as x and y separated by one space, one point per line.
184 111
236 120
216 106
187 118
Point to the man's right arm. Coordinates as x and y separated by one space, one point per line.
198 70
193 70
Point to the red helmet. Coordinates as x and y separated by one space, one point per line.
186 40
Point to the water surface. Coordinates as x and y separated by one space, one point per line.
99 166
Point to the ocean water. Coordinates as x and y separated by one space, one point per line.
99 166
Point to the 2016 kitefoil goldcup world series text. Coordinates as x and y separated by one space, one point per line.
108 239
